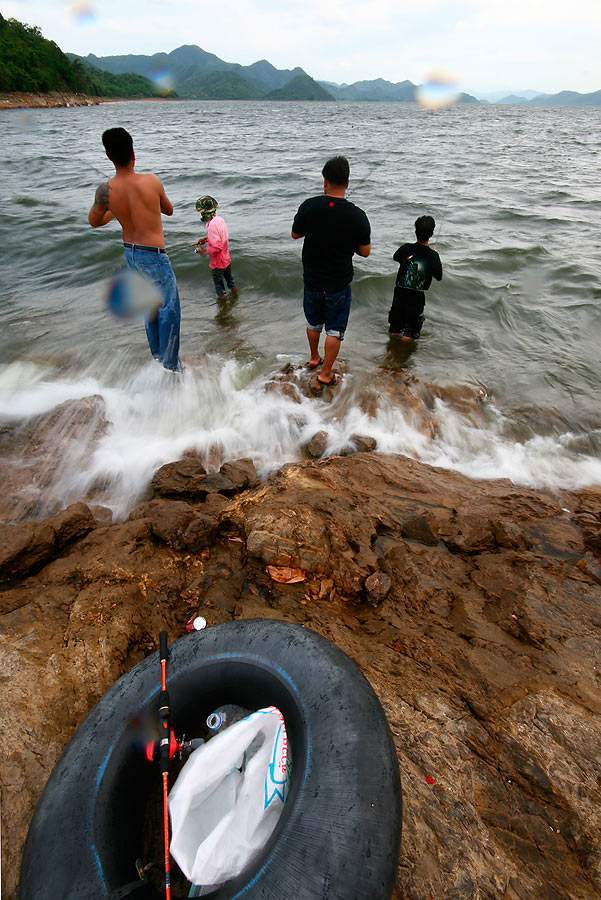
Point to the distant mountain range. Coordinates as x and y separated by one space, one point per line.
193 73
536 98
567 98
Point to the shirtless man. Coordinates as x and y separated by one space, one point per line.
137 202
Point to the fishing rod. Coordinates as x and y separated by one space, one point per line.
165 748
165 735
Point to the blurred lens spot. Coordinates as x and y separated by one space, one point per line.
83 13
25 120
164 80
132 295
439 90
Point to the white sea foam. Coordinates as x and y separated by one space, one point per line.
222 411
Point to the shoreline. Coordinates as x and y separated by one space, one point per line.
57 99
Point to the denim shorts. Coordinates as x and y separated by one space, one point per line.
329 308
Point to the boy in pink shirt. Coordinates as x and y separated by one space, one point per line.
217 244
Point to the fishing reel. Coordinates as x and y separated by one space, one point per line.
178 748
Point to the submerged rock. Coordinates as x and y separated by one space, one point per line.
364 443
241 473
34 453
317 445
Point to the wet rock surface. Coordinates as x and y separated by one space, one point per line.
474 609
32 454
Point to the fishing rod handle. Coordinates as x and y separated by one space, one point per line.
163 651
164 731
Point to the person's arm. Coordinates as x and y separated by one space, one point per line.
363 247
400 255
298 230
100 213
437 271
166 204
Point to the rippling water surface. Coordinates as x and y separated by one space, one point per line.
517 199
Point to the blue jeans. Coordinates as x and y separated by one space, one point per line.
329 308
220 276
163 330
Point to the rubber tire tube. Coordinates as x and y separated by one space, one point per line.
339 834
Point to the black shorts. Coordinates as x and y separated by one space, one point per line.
406 313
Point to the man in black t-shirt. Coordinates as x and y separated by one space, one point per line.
418 265
334 229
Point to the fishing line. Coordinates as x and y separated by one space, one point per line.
94 169
369 175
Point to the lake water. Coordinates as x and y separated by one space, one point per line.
516 195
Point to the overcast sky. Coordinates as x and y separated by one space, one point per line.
487 45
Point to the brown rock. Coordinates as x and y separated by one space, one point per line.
25 547
591 535
469 533
181 478
317 445
169 520
219 484
73 522
555 536
377 587
590 566
422 527
215 504
510 536
32 452
364 443
241 473
278 550
200 533
102 515
317 388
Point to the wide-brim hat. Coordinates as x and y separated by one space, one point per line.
206 206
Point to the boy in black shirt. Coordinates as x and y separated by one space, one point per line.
418 265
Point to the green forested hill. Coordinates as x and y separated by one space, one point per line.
29 62
218 86
301 87
106 84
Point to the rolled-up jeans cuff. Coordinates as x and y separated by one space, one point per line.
337 334
317 328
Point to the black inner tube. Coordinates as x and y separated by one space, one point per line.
129 778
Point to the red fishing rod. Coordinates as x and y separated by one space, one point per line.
164 748
165 736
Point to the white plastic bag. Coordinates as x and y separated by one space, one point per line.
227 801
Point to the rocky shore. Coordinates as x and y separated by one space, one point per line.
474 609
53 99
25 100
